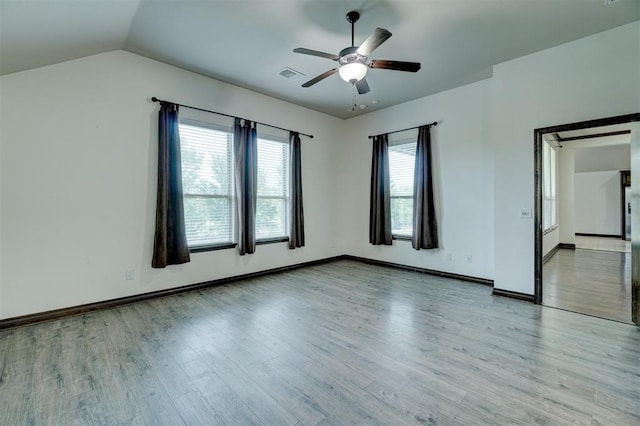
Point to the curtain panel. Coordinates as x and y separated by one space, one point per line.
245 147
425 228
380 200
296 211
170 241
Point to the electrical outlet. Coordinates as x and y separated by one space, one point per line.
129 274
469 258
449 257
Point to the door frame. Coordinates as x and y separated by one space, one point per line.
537 179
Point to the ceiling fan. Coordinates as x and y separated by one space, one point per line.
354 60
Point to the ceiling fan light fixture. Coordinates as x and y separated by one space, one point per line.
353 72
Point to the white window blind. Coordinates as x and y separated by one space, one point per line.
401 168
273 189
549 187
207 183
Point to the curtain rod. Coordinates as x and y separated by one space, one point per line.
435 123
154 99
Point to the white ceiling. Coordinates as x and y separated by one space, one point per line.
247 42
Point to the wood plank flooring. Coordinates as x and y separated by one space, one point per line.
592 282
603 243
339 343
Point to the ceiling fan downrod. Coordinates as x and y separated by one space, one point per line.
353 17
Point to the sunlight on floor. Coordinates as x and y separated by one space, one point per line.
603 243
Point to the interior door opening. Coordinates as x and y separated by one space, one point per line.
583 196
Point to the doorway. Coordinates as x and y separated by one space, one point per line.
594 282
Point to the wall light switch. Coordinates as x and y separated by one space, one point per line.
129 274
525 214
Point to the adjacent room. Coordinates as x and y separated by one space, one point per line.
587 221
315 212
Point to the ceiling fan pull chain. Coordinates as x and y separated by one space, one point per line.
354 97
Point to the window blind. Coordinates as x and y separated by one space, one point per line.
273 189
401 171
207 183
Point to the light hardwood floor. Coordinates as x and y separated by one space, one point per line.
603 243
339 343
592 282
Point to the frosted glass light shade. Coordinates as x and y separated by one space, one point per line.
355 71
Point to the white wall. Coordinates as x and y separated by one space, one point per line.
594 77
78 177
566 169
1 222
603 158
550 240
462 175
597 203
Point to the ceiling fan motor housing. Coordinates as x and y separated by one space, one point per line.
349 55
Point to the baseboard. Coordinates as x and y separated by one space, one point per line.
567 246
599 235
483 281
89 307
111 303
549 255
514 295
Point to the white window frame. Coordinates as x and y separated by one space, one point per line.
549 187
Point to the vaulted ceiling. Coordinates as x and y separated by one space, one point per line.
248 42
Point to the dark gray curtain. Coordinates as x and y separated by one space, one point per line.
380 201
296 211
245 147
170 240
425 228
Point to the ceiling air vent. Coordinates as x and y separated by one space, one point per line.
290 73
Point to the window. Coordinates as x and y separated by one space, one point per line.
208 179
207 183
273 189
401 168
549 167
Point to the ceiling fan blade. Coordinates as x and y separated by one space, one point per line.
320 77
395 65
316 53
379 36
362 86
